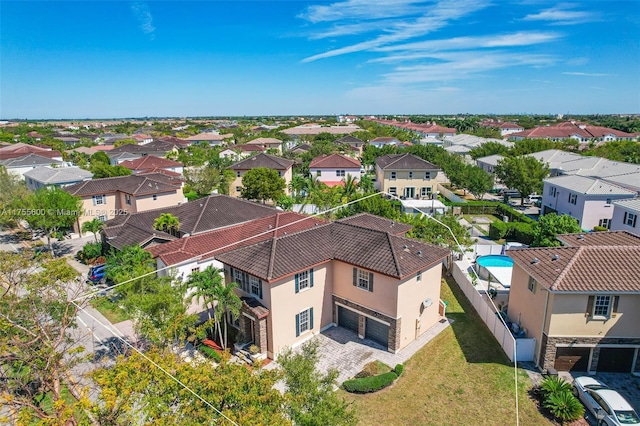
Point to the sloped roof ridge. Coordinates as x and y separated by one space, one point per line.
272 255
567 268
393 255
204 207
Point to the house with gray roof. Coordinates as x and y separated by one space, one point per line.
383 287
260 160
21 165
588 200
47 176
580 302
625 216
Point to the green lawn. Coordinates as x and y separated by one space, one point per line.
109 309
461 377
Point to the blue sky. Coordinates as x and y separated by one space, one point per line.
89 59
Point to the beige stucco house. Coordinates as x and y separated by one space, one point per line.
282 165
358 273
108 198
580 302
406 176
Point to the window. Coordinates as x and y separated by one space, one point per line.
410 175
608 201
630 219
425 191
532 284
239 278
238 174
196 269
319 173
552 191
601 306
99 199
363 279
427 175
280 174
238 188
393 175
303 280
155 197
102 218
256 284
127 199
573 198
304 321
604 223
393 190
419 276
340 173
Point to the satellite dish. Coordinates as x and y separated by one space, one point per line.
427 303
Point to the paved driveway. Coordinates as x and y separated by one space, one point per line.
342 349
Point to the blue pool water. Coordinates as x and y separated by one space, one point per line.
495 260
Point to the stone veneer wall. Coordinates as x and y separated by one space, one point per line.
394 324
551 342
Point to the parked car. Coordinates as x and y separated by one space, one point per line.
534 199
510 193
607 405
97 274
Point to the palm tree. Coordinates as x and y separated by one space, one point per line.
94 226
350 187
168 223
205 284
366 184
228 301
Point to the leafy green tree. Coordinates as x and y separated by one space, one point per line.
310 398
13 190
94 226
432 232
376 205
128 263
124 142
204 285
50 210
38 347
477 181
285 202
529 146
550 225
134 389
366 183
205 179
488 148
168 223
100 158
101 170
523 173
349 188
262 184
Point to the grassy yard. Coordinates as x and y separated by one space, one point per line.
461 377
109 309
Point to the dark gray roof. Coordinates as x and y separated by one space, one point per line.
263 160
370 249
132 184
29 160
404 162
349 139
367 220
205 214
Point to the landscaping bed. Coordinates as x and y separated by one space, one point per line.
374 376
111 310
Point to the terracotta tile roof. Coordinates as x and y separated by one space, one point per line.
582 269
246 148
334 161
367 248
205 214
404 162
568 129
20 149
262 160
150 162
213 243
610 238
177 176
209 137
265 141
132 184
255 307
370 221
140 149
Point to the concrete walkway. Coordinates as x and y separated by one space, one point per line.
343 350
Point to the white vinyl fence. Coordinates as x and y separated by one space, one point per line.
524 347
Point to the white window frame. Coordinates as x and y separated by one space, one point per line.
154 197
602 306
340 173
99 199
425 191
427 175
393 176
254 284
319 173
304 280
410 175
102 218
238 174
237 277
552 191
303 325
363 279
393 190
630 219
238 189
419 276
196 269
606 223
127 199
573 199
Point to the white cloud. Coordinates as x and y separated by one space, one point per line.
589 74
358 10
437 17
143 15
562 14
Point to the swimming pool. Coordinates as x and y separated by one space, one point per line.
495 260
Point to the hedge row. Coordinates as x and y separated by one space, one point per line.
518 231
370 384
494 208
210 353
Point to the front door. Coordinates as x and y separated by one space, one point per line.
410 192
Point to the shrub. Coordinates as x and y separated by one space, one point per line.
599 228
210 353
564 406
91 251
370 384
498 230
521 232
554 384
399 369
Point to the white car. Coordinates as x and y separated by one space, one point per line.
607 405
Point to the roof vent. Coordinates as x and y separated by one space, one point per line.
555 257
581 237
284 233
534 261
404 247
419 252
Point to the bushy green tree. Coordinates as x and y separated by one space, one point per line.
550 225
523 173
487 149
262 184
477 181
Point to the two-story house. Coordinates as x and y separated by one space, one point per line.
283 166
238 152
20 165
119 196
334 169
586 199
580 302
384 141
151 163
47 176
625 216
382 286
354 143
267 143
406 175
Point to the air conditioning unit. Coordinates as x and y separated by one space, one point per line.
427 303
